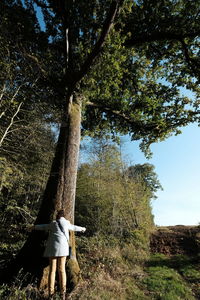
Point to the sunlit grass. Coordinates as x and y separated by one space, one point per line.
166 284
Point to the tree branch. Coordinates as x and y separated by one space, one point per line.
159 36
138 124
2 92
148 127
189 60
114 8
42 5
36 61
11 123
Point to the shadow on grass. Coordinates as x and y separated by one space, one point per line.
176 261
187 267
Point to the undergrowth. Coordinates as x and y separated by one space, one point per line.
116 270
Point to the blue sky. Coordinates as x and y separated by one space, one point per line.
177 163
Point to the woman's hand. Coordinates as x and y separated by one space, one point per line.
83 230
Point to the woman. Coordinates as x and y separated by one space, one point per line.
57 249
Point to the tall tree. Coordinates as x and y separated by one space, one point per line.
94 69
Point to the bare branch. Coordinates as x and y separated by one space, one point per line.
11 123
13 97
2 92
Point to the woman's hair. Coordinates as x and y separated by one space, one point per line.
60 214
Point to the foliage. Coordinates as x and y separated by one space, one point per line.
22 185
23 175
170 35
127 88
107 274
145 173
141 89
108 201
127 83
17 292
26 139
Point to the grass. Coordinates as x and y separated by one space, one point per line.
173 278
121 272
167 284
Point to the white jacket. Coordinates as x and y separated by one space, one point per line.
58 242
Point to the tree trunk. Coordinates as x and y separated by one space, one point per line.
59 194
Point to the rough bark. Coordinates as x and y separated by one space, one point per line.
59 193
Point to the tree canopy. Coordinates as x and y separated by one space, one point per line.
132 62
136 79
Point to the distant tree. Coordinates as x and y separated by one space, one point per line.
110 201
99 188
145 173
